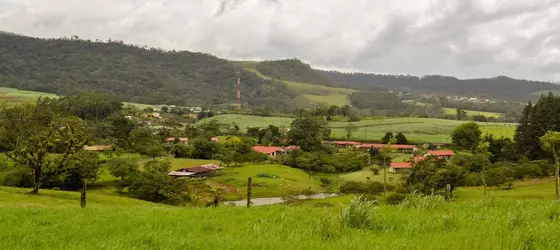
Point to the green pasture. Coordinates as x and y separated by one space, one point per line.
452 111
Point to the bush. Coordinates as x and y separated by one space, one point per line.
421 202
325 182
375 170
396 198
266 175
19 177
358 214
354 187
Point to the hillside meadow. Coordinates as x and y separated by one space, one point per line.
422 224
417 130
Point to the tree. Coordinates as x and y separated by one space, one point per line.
350 129
308 133
84 165
164 109
153 184
466 135
551 143
461 114
41 139
387 137
401 139
155 151
345 110
433 175
122 167
332 111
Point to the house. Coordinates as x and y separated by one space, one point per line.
402 148
181 140
274 151
445 154
193 116
152 115
399 167
419 158
99 148
215 139
344 144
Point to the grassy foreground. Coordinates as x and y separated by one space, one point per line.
472 225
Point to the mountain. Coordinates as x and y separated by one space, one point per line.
501 87
144 75
292 70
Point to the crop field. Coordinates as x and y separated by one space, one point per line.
417 130
423 224
452 111
10 96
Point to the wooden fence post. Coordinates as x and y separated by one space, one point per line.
249 192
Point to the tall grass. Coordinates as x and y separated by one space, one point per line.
359 214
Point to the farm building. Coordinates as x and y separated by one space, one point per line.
445 154
399 147
274 151
198 171
181 140
399 167
344 144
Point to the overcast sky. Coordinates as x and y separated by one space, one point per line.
463 38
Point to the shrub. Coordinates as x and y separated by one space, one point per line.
375 170
354 187
423 202
396 198
325 182
19 177
358 214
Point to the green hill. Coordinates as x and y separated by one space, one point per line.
136 74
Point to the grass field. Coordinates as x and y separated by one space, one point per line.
452 111
417 130
10 96
279 181
313 225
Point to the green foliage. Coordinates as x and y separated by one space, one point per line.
423 202
141 75
308 133
461 115
371 187
291 70
359 214
19 176
401 139
122 167
395 199
432 175
387 137
466 135
153 184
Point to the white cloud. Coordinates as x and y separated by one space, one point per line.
464 38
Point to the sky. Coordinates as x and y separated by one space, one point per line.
462 38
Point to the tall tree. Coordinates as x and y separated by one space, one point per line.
41 139
525 139
350 129
85 165
551 143
308 133
466 135
461 114
387 137
401 139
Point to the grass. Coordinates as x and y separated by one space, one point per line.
177 163
469 225
530 189
417 130
364 174
11 96
18 197
285 181
452 111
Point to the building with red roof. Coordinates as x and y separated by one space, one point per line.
397 147
181 140
274 151
445 154
398 167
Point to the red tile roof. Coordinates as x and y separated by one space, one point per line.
441 152
401 165
346 143
403 146
215 139
266 149
419 158
180 139
395 146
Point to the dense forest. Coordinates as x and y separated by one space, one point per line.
499 87
292 70
135 74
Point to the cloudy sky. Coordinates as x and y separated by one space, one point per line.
463 38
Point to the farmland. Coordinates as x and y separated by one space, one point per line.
11 97
417 130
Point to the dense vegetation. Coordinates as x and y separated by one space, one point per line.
291 70
499 87
144 75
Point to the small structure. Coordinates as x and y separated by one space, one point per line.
274 151
215 139
403 148
399 167
197 171
442 154
181 140
419 158
99 148
344 144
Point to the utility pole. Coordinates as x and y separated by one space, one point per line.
238 90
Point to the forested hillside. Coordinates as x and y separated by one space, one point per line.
292 70
144 75
499 87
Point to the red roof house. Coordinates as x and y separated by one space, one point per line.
441 153
400 166
172 139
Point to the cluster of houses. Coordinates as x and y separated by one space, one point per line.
403 148
274 151
184 140
397 167
197 171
